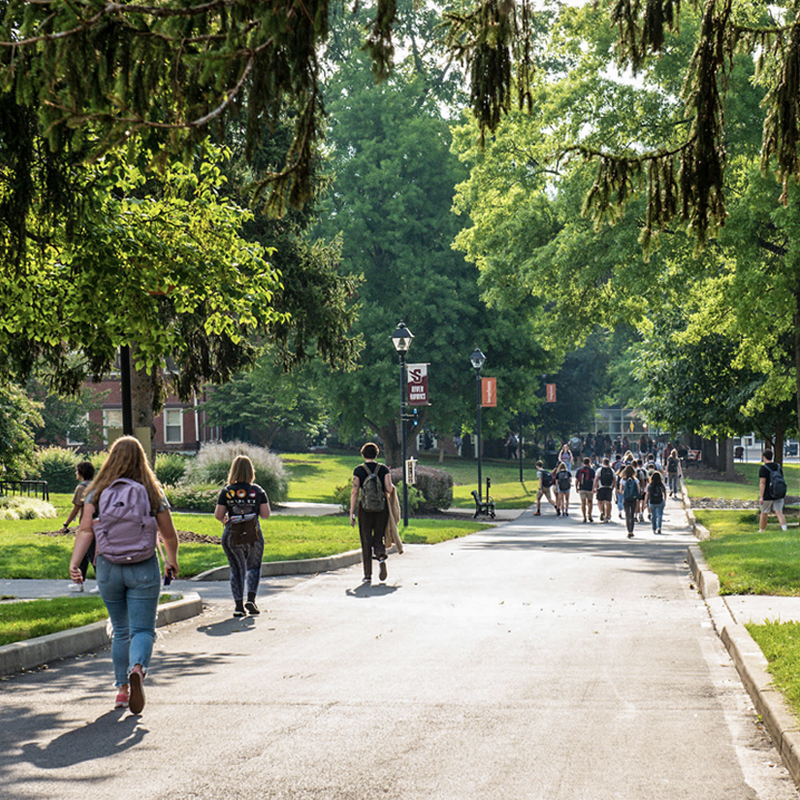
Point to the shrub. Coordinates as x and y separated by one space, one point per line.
170 468
56 465
193 497
435 485
341 495
212 463
26 508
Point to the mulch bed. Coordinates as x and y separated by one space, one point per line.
184 537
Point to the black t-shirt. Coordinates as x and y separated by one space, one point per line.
361 473
765 470
243 500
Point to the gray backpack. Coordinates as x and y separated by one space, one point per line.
372 495
126 527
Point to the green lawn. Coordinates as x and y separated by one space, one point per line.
747 490
749 562
28 618
23 554
780 644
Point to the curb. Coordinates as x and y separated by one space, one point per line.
751 664
32 653
308 566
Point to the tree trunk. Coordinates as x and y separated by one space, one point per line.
144 390
726 457
796 355
780 432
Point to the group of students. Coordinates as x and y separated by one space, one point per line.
640 486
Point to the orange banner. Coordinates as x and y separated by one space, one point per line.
551 393
488 392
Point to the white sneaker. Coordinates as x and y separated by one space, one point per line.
75 587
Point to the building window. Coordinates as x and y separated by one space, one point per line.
173 426
112 419
71 442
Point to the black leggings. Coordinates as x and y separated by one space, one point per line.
630 513
371 529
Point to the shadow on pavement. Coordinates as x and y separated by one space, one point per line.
228 626
370 590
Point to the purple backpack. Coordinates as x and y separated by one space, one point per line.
126 528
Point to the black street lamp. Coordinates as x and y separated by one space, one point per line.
401 339
478 359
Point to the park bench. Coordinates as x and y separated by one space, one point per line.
483 508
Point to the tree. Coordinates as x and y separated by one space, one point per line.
390 200
19 415
257 405
66 418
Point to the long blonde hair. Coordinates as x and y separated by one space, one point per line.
127 459
241 471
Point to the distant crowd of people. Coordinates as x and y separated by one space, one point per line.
640 484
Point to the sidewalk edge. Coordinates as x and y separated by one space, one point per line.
751 664
32 653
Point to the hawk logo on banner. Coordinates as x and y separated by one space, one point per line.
489 392
417 375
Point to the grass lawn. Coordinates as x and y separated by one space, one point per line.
741 491
28 618
780 644
749 562
24 554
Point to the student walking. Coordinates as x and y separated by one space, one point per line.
771 491
674 472
584 480
240 507
84 472
372 484
656 500
124 510
563 481
630 497
604 488
544 490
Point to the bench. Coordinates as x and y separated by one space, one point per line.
482 508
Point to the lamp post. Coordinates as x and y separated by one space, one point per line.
478 359
401 339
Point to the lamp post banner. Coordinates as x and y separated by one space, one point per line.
417 384
489 392
551 393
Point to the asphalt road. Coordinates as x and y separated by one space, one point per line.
541 659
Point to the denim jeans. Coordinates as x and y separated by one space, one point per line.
657 515
130 592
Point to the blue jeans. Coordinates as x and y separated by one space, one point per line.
657 515
130 592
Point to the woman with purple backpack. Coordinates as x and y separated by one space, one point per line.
124 510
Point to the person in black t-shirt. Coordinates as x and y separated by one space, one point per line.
371 524
767 502
240 505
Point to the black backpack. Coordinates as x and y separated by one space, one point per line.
372 496
564 480
586 478
606 477
777 483
547 479
656 493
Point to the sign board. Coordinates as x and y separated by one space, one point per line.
551 393
488 392
417 376
411 471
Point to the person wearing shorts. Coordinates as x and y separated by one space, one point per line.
769 504
544 490
584 480
604 481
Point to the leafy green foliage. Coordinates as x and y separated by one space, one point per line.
200 497
26 508
435 486
56 465
19 415
170 468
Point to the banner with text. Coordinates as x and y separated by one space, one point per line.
417 375
489 392
551 393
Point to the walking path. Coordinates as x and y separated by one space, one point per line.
540 659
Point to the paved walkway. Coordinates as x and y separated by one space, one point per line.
540 659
